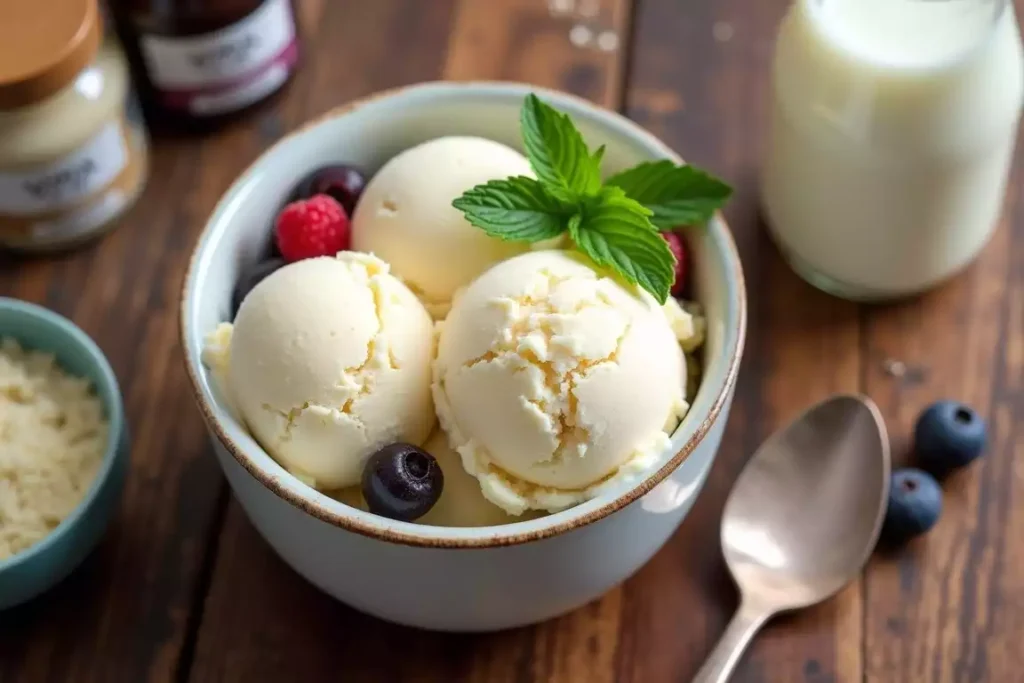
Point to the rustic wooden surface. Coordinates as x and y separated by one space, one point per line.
183 589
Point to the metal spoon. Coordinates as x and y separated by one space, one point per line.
803 518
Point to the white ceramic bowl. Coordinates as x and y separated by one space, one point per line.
456 579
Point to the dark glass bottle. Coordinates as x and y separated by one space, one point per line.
201 61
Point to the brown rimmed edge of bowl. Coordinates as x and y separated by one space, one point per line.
341 521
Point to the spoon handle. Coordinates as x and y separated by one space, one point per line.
723 659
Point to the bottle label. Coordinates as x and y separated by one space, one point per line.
228 69
87 170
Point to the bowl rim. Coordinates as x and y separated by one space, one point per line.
382 532
115 417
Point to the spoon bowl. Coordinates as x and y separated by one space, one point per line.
806 511
803 517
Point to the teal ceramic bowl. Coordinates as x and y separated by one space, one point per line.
40 567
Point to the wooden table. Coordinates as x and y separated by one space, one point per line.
183 589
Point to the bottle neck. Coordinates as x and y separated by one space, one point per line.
909 33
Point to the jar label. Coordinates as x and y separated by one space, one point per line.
81 221
227 69
57 185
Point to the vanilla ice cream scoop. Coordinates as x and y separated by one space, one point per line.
405 215
552 381
329 360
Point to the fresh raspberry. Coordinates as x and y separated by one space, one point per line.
312 227
675 243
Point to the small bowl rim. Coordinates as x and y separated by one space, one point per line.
115 417
382 532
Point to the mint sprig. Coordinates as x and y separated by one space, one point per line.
557 152
516 209
615 224
616 232
676 195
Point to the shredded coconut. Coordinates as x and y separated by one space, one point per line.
53 436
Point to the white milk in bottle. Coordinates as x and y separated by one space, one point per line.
893 130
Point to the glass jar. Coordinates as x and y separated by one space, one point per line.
893 126
200 61
73 150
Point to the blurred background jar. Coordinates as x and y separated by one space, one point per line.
198 62
892 136
73 149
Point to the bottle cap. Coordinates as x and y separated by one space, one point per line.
44 45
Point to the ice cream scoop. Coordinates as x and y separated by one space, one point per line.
329 360
406 217
553 380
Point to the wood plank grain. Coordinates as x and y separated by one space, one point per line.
699 80
245 633
950 607
532 41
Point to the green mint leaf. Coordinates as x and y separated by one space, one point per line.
516 209
574 223
557 152
616 232
677 195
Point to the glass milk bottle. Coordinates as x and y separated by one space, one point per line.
892 135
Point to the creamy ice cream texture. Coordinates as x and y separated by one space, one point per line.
406 217
554 381
462 502
329 360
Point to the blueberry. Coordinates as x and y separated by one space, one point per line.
344 183
948 435
402 482
252 276
915 504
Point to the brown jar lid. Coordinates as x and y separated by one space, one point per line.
44 45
